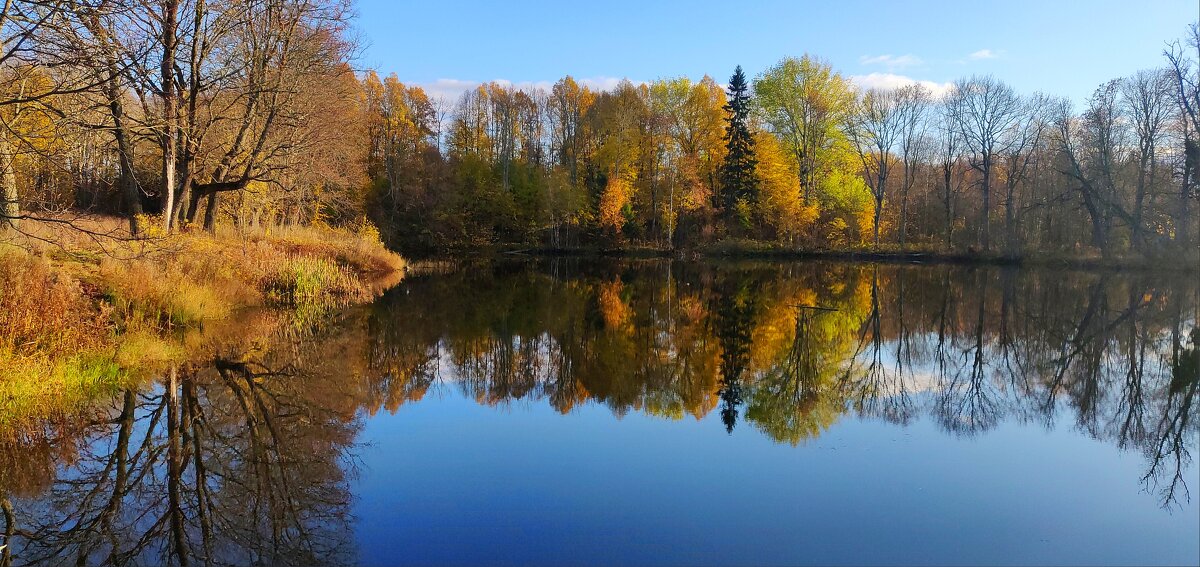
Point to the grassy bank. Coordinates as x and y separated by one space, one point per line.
733 249
84 309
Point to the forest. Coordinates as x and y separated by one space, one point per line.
188 114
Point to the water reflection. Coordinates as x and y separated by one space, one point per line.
230 463
790 349
248 458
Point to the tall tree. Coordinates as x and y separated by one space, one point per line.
1185 77
1146 101
739 181
168 21
984 109
949 152
874 127
1021 151
805 102
912 102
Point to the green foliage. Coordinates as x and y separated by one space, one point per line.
678 163
310 281
848 206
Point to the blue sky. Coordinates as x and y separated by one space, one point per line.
1059 47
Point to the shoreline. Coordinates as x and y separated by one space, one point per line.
756 252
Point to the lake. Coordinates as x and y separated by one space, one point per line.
570 411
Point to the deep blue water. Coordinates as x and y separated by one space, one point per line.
449 481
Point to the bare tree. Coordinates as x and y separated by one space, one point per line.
875 126
1024 138
1185 74
912 103
949 153
985 109
1145 97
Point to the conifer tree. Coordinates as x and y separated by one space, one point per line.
739 182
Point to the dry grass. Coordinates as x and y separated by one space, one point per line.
52 331
44 310
83 307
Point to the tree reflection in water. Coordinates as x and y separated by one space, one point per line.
230 463
791 348
248 458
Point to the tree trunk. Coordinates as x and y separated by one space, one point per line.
987 206
180 212
127 181
878 212
1010 229
948 189
1139 199
10 203
210 213
170 110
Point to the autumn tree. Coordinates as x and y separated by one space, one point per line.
805 102
693 116
618 118
30 88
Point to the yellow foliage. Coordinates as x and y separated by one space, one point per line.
71 329
613 201
780 202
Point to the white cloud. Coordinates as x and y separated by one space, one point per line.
448 89
984 54
889 81
451 89
891 61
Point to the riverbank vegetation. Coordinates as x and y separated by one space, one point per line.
82 319
248 162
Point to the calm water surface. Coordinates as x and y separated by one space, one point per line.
585 412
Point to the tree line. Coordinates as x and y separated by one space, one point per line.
798 156
190 112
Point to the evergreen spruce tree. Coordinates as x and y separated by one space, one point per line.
739 181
